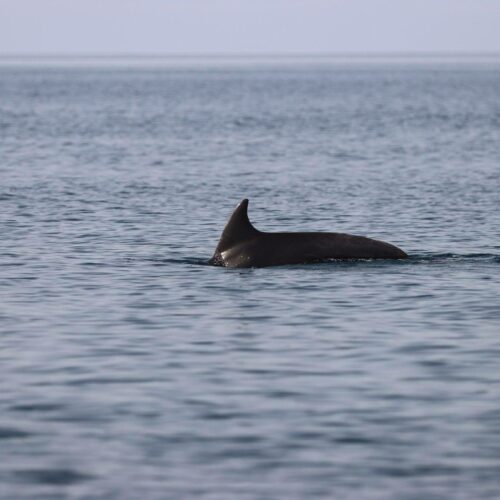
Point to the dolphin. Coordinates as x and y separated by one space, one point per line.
241 245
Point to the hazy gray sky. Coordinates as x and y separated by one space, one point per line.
248 26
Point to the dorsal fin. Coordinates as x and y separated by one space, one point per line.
238 228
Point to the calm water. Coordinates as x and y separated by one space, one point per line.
130 369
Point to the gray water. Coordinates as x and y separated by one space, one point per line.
131 369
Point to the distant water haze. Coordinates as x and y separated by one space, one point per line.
259 26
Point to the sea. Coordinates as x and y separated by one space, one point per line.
131 369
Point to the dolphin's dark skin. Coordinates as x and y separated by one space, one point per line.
241 245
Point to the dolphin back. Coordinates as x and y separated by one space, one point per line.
241 245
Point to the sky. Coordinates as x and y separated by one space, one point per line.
248 26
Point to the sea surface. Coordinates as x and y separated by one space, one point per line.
131 369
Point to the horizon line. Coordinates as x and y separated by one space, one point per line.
187 55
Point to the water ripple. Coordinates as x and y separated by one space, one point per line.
131 368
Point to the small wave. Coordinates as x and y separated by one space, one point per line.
11 433
412 259
187 260
440 257
52 476
36 407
